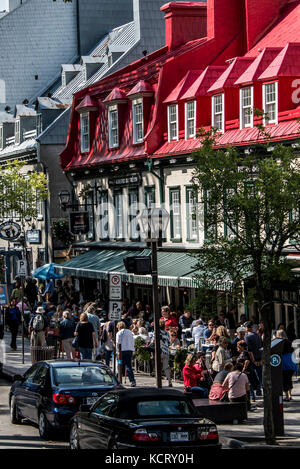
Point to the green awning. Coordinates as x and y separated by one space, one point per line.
175 269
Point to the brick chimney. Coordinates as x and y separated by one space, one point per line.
185 21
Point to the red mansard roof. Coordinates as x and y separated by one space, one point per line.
231 74
286 64
204 81
244 137
183 86
142 87
87 104
115 95
259 65
286 29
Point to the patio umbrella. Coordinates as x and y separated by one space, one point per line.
46 272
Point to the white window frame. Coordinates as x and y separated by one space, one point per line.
173 122
1 137
17 131
265 103
222 113
175 211
119 215
63 80
84 132
190 119
135 123
244 110
113 139
191 215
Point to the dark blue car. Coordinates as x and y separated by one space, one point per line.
51 392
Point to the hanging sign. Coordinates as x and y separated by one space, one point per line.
33 236
10 230
4 300
79 222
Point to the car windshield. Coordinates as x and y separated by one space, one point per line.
178 407
82 376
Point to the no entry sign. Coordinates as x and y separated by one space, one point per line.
115 287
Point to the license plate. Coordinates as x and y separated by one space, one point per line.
179 436
91 400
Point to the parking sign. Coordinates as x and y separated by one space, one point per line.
115 287
22 267
115 310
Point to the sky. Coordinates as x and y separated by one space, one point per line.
2 5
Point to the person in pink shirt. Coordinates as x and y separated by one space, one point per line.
238 385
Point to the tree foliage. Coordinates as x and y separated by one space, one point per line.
251 206
20 192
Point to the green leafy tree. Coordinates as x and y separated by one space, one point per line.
20 193
251 213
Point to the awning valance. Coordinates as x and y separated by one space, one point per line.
176 269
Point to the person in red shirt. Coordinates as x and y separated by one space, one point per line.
192 377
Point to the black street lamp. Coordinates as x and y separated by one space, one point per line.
153 223
64 199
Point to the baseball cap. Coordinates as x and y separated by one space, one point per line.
40 310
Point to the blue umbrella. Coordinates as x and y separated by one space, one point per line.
46 272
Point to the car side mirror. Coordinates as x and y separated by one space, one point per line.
18 378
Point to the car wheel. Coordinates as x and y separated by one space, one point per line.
44 427
74 437
14 413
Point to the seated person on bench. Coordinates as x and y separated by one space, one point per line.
193 377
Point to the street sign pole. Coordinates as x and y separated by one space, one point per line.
115 314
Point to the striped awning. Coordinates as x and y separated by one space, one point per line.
175 269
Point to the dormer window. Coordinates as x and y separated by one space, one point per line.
270 102
17 131
218 121
85 132
173 122
63 79
137 117
246 107
113 126
190 119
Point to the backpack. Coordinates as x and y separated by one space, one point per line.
38 323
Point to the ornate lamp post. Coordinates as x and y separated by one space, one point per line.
153 223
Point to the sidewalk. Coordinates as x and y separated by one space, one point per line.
249 434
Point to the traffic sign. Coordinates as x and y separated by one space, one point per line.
115 310
22 267
275 360
115 287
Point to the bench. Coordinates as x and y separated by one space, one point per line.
221 412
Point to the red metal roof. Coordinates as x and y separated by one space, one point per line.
259 65
204 81
246 136
88 104
231 74
285 64
141 87
115 95
286 29
183 86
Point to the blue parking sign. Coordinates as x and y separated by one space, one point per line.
275 360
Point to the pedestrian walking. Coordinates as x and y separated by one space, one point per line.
87 339
165 343
254 345
289 367
13 322
107 340
125 344
37 328
66 334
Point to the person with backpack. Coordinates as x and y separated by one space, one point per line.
37 327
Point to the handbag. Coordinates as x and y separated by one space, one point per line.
225 397
75 343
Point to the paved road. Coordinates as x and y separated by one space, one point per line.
23 436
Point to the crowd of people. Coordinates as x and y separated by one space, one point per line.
224 349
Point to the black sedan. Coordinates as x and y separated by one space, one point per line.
51 392
142 418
